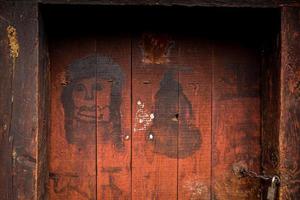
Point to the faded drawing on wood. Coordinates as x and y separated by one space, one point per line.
91 100
173 130
89 78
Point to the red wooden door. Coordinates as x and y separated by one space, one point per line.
153 115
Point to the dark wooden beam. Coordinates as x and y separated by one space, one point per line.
24 126
270 104
6 75
43 113
19 99
204 3
208 3
289 136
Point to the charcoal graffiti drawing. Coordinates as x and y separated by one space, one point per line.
173 131
110 189
67 182
93 96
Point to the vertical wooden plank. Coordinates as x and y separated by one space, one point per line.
72 148
270 105
6 75
236 119
24 124
290 107
25 91
44 110
194 140
154 118
114 124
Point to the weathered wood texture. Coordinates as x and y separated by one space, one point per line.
290 104
114 148
236 119
21 116
154 135
206 3
90 107
6 67
24 124
72 169
194 60
195 101
42 141
270 105
187 3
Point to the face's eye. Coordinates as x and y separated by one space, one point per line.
97 87
79 87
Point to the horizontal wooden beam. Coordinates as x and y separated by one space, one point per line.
189 3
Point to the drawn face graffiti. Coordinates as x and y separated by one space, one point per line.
93 95
173 132
85 94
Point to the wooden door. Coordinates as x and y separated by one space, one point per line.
153 115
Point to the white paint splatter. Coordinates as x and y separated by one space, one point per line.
198 189
143 118
152 116
151 137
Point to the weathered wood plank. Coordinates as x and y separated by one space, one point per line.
114 131
154 118
194 140
24 124
270 100
24 98
289 138
6 75
236 119
44 117
205 3
72 146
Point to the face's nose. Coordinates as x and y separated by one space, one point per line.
89 93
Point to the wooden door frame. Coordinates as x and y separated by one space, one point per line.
24 86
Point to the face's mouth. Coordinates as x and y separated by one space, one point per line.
91 113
